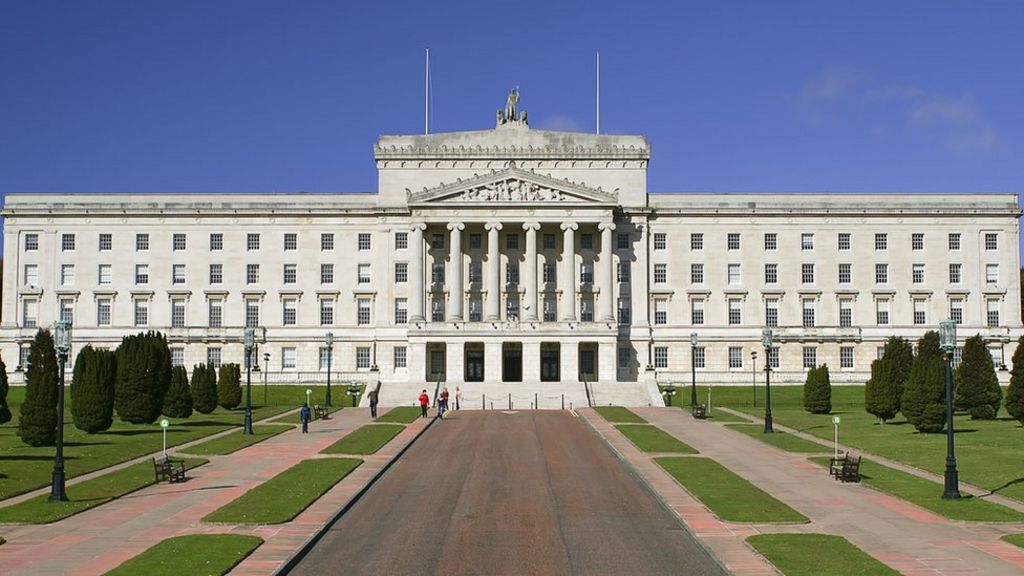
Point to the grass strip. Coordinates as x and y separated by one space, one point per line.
781 440
286 495
1015 539
401 415
619 415
817 555
193 554
928 494
86 495
730 497
365 440
653 439
236 441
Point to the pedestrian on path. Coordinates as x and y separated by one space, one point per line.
304 418
442 403
458 398
424 402
373 395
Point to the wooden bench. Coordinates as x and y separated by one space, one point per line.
319 412
845 469
700 411
172 469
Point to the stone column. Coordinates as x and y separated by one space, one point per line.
455 279
493 281
606 311
529 306
416 286
568 279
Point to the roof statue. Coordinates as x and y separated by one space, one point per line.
510 115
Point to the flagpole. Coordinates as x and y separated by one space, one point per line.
426 97
598 91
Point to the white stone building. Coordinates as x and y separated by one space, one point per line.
514 261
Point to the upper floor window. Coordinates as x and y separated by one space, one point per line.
327 241
106 242
771 273
807 241
807 273
771 241
67 242
623 273
291 241
106 274
734 241
178 241
549 241
364 274
401 240
845 273
216 273
991 241
992 273
402 272
734 274
31 242
252 273
881 273
660 273
290 273
660 241
954 240
881 241
917 273
917 241
512 241
844 240
327 273
252 242
436 242
696 241
954 273
216 241
697 273
178 274
364 241
142 273
586 241
622 240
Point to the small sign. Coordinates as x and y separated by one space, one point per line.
164 423
835 419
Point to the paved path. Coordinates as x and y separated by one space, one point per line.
508 493
95 541
907 538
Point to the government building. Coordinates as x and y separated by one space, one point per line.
514 261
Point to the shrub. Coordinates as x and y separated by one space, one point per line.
1015 393
977 387
143 376
883 391
818 391
204 388
92 390
5 411
923 402
38 423
178 402
229 386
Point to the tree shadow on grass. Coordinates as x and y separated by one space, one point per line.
1006 485
33 458
131 432
204 424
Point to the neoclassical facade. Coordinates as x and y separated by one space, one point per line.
515 259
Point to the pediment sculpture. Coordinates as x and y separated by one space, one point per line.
509 191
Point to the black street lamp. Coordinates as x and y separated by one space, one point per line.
693 369
62 341
753 375
329 340
947 341
249 342
766 341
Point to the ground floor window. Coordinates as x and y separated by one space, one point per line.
177 356
624 354
699 359
810 357
325 358
846 357
773 357
661 357
288 358
735 357
213 357
400 361
362 357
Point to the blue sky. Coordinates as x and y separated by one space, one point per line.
193 96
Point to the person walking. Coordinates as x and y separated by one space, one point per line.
458 398
442 403
373 395
424 402
304 418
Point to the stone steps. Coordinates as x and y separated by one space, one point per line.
548 395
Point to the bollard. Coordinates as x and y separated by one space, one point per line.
535 404
509 400
483 401
492 405
563 401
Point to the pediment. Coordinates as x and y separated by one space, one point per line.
513 186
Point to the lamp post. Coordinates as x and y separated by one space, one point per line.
62 341
329 340
753 375
249 341
266 368
947 341
693 369
766 341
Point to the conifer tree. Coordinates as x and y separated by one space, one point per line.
92 390
5 410
977 386
1015 393
204 388
229 386
178 402
924 396
143 376
38 423
818 391
883 392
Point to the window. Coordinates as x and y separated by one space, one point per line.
991 241
549 241
661 357
213 357
771 241
954 240
106 274
141 312
29 313
881 273
992 273
586 241
735 357
734 274
550 309
106 242
697 312
587 272
437 273
67 242
845 313
252 242
364 241
327 273
660 273
476 307
735 311
773 357
625 312
31 242
363 313
512 272
623 357
771 312
215 311
512 310
290 273
696 241
807 241
103 311
958 354
67 310
808 306
67 274
401 311
881 241
400 357
919 312
734 241
289 312
437 309
956 310
845 273
476 272
807 273
252 273
992 312
142 273
661 311
325 357
291 241
178 313
177 356
882 312
216 242
512 241
288 358
771 273
697 273
475 241
660 241
622 240
846 357
997 357
550 273
178 274
32 275
178 242
326 312
252 313
954 273
327 240
917 273
216 273
844 240
699 358
917 241
622 273
810 357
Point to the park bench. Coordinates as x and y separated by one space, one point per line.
319 412
172 469
845 469
700 411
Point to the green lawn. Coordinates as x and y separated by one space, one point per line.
928 494
401 415
285 496
779 439
988 451
817 555
193 554
236 440
619 415
86 495
653 439
25 468
365 440
729 496
1015 539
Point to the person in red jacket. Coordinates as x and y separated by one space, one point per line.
424 402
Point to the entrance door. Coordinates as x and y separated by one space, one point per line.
550 358
512 364
437 365
588 371
474 365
